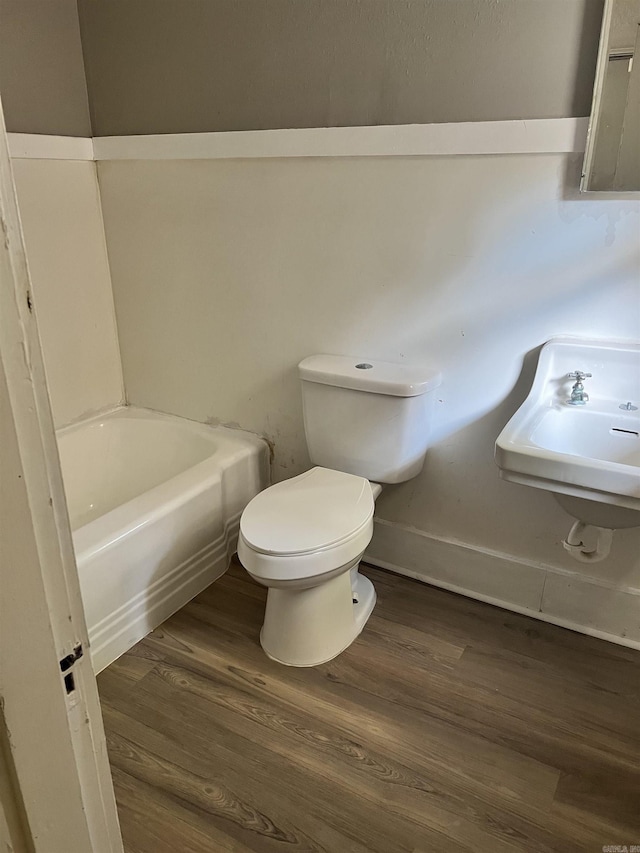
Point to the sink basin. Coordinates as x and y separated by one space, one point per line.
588 455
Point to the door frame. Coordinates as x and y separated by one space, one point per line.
56 789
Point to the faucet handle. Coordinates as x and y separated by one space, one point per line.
579 375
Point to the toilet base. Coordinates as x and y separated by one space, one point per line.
307 627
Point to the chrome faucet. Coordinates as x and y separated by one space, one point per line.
578 395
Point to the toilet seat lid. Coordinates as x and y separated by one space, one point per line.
311 512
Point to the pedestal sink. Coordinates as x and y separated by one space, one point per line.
586 452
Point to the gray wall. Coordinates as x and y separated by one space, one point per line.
625 18
205 65
42 80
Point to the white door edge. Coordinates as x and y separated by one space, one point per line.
54 743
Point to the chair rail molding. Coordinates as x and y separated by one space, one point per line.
531 136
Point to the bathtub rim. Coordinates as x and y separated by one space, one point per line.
101 532
128 410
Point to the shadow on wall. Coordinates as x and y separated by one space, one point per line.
548 279
460 496
472 331
467 263
471 305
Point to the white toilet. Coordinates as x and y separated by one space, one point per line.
366 423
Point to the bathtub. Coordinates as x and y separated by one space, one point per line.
154 504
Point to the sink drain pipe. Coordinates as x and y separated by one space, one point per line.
575 546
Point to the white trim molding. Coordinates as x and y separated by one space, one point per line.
121 629
36 146
484 137
531 136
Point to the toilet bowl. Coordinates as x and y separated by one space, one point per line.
304 539
365 423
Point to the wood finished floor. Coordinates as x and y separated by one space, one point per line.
449 725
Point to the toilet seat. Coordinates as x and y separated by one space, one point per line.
310 512
306 526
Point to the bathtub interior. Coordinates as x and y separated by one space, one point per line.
109 460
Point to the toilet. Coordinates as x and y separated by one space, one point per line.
366 424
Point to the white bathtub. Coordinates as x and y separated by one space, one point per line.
154 503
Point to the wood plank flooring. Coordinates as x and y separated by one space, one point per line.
448 725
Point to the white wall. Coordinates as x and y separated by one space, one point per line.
64 236
227 273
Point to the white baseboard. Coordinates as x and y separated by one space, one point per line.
567 599
137 617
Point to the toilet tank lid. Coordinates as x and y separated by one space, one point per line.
362 374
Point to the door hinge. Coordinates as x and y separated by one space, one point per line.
65 665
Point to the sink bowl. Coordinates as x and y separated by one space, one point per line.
587 455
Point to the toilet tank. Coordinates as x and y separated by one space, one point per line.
367 417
